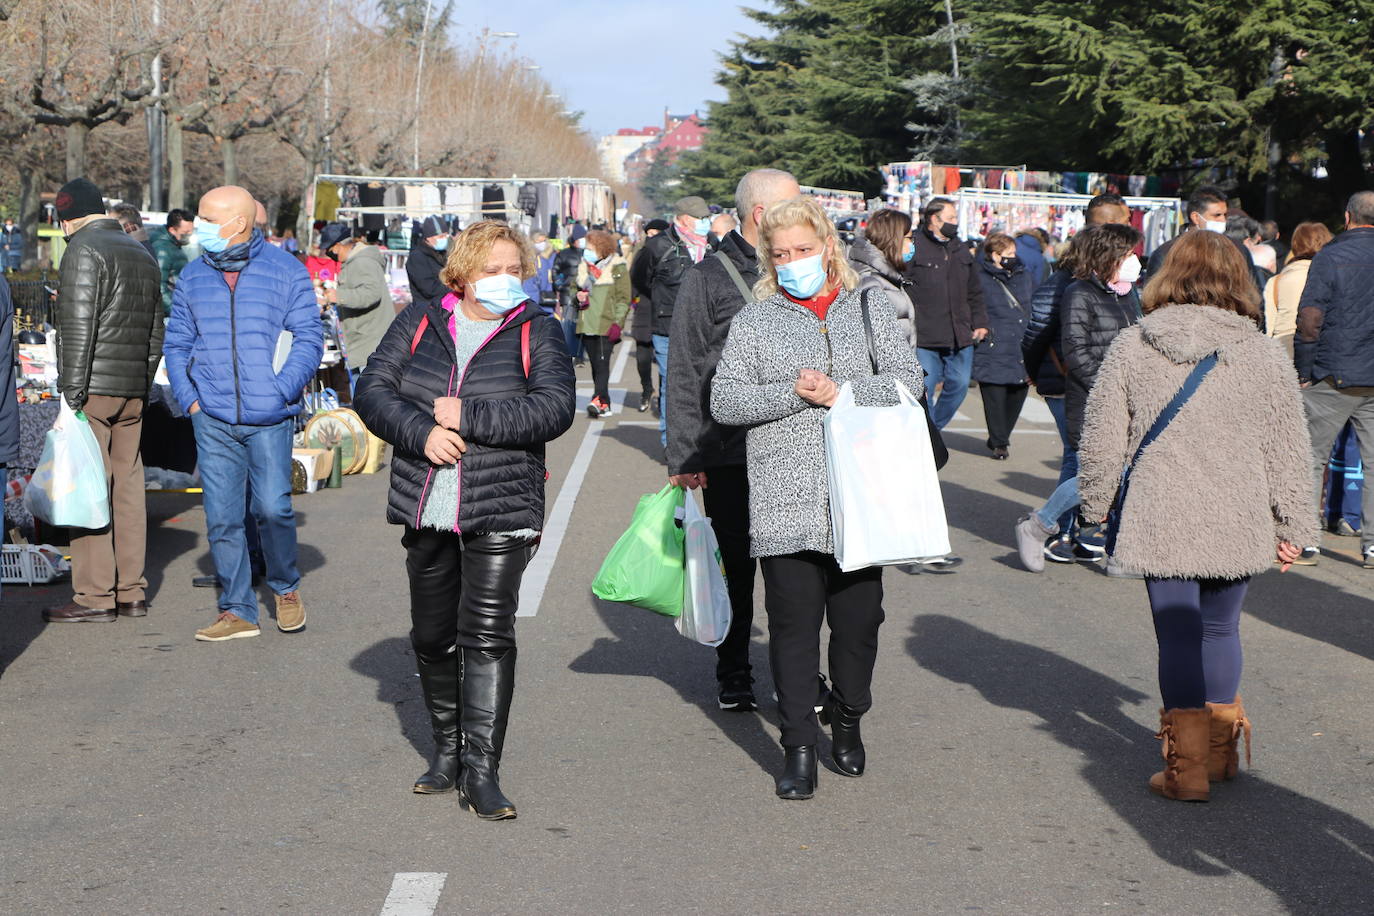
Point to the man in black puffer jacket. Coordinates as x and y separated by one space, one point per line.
109 327
950 314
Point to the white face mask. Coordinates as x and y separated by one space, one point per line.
1215 225
1129 271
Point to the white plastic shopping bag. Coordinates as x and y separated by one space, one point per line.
69 487
706 601
885 502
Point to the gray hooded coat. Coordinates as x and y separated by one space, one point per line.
770 343
876 272
1229 477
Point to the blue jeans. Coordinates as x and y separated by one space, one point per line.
953 367
661 357
1068 465
253 462
570 335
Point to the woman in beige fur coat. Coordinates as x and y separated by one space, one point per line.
1214 500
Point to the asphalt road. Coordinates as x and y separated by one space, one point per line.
1009 745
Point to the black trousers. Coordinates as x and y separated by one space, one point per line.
801 590
1002 406
599 356
727 503
644 359
463 590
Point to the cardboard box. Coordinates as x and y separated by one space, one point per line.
318 463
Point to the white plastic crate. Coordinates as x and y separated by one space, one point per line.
28 564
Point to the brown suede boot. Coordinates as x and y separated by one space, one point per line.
1229 722
1186 734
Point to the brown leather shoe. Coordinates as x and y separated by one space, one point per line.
78 613
131 608
290 612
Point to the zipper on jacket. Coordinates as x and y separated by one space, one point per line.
829 350
234 346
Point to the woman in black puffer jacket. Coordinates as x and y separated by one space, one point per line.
998 366
1100 302
468 391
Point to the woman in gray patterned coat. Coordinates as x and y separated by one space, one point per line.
787 354
1217 498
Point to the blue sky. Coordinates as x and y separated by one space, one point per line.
620 61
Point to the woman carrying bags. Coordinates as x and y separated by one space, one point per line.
998 366
468 391
784 360
1220 491
603 295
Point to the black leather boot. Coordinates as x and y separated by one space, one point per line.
846 744
439 682
488 683
798 779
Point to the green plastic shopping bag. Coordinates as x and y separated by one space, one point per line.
646 567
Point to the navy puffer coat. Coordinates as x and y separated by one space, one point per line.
1006 293
507 418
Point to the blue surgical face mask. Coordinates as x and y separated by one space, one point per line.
499 294
702 226
589 255
908 252
207 234
440 244
803 278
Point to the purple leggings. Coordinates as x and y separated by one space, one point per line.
1197 624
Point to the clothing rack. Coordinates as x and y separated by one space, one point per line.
986 210
534 203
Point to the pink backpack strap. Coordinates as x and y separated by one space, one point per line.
525 346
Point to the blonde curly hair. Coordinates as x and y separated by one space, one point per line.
800 211
468 253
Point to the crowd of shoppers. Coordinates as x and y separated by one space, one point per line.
1219 379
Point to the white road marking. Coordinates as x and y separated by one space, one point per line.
541 567
982 431
618 367
1036 411
618 395
414 893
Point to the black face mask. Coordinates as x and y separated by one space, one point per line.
332 254
1011 264
949 230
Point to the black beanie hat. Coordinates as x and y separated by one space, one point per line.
78 198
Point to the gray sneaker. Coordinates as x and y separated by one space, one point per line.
1117 571
1030 542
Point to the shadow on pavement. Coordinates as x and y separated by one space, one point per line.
1035 486
647 645
1313 857
391 663
984 515
643 438
1318 610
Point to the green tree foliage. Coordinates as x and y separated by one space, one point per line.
820 94
662 185
406 18
1141 87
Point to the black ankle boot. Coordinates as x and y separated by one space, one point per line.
846 744
798 779
439 683
488 683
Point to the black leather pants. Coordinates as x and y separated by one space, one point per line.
463 590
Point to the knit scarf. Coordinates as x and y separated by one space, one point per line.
234 258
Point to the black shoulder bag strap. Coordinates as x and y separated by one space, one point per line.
1166 416
937 442
735 276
